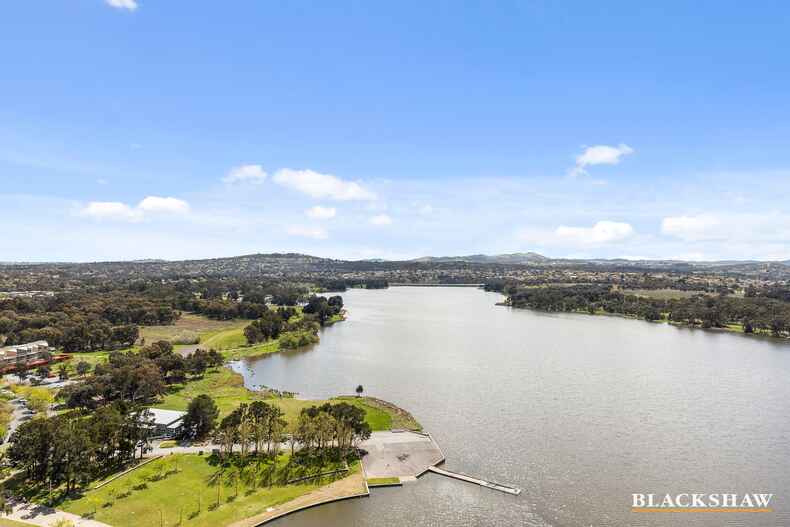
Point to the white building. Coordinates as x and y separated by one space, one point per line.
164 423
23 353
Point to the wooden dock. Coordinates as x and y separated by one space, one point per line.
507 489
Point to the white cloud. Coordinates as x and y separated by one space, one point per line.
381 220
245 174
319 185
321 213
600 233
117 211
600 155
426 210
111 210
164 205
316 233
692 228
131 5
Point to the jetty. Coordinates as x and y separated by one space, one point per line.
507 489
404 456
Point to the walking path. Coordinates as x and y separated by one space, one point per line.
46 516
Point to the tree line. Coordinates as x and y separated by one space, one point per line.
137 377
259 428
754 314
74 448
294 331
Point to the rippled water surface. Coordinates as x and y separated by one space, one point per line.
579 411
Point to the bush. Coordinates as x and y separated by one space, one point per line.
297 339
186 337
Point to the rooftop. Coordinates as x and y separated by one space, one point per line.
164 417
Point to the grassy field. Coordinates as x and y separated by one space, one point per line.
378 416
226 338
189 323
224 386
92 358
190 489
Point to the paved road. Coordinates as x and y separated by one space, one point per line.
18 416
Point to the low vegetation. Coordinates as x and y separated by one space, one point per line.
383 482
203 491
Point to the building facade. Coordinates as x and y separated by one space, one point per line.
23 353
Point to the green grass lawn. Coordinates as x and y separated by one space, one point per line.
382 415
225 339
12 523
183 489
223 385
272 346
376 417
93 358
373 482
379 417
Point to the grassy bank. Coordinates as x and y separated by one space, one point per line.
383 482
223 385
195 490
4 522
227 389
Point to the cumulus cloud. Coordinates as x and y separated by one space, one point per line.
316 233
111 210
165 205
600 233
600 155
321 213
320 186
130 5
381 220
253 174
117 211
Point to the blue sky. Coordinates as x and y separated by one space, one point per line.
181 129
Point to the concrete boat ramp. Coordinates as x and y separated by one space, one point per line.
408 455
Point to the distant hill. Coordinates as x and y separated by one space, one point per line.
471 267
512 258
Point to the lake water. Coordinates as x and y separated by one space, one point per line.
579 411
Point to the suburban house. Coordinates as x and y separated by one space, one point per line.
23 353
163 423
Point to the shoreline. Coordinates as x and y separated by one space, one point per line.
727 330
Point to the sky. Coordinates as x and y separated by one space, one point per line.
178 129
